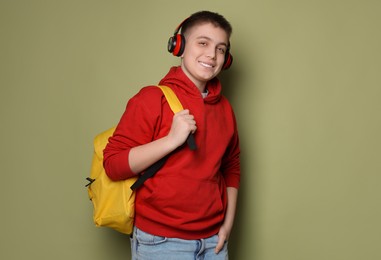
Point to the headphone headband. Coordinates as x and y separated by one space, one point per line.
178 28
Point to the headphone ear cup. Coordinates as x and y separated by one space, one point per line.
174 44
228 61
171 44
178 45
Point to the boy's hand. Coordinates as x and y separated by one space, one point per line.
182 125
223 236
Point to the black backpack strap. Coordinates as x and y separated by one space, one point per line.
149 173
156 166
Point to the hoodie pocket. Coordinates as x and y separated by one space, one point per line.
188 200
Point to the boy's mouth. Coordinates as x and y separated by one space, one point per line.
207 65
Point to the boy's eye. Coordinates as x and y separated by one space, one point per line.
221 50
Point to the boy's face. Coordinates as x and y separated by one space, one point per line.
204 53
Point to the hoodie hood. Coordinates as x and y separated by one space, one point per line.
176 77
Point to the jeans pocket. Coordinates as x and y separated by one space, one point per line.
148 239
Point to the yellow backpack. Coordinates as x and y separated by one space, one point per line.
114 201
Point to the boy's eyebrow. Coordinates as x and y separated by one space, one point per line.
210 39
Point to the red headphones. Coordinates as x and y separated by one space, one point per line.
176 46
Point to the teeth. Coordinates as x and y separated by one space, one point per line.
206 65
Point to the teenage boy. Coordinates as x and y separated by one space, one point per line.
186 211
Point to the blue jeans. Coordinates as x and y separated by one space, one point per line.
145 246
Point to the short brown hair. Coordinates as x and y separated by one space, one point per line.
205 17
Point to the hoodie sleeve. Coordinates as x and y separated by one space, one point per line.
230 167
136 127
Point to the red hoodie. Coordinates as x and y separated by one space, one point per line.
187 197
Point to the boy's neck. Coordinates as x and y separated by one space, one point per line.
202 88
200 85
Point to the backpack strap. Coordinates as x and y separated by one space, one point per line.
173 102
175 106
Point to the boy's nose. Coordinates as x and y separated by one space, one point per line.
211 54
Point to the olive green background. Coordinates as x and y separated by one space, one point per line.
305 86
